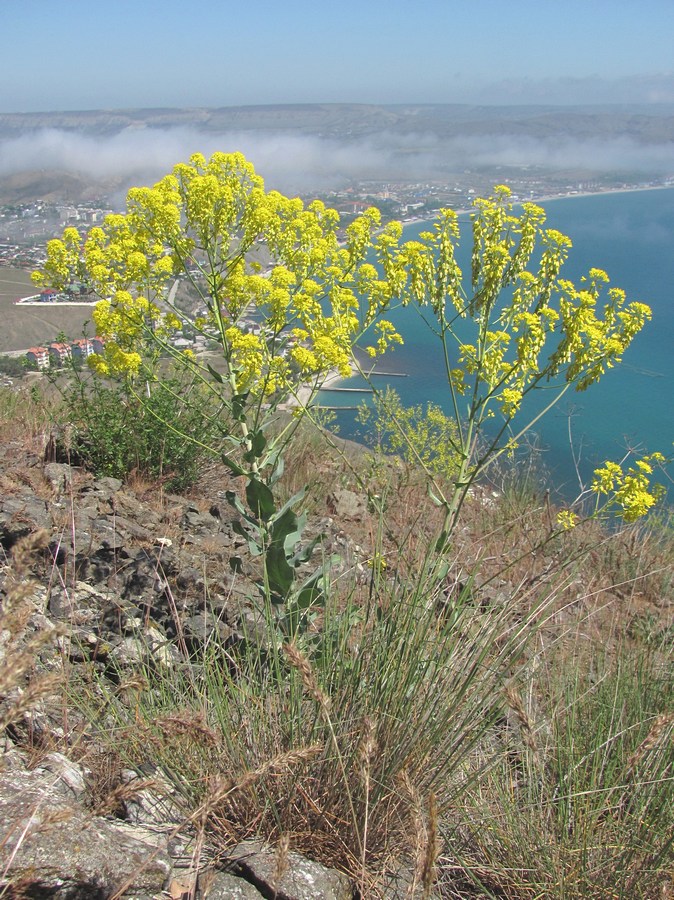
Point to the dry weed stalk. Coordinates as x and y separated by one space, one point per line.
431 847
190 723
660 724
526 723
281 861
19 651
221 790
367 750
114 800
298 661
425 837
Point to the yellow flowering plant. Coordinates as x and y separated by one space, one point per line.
280 295
285 301
630 491
511 327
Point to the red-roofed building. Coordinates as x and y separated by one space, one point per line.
38 357
59 353
81 349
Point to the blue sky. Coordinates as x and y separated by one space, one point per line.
73 55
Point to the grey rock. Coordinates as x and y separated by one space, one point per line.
222 886
106 486
150 644
130 652
64 852
304 879
79 604
20 515
198 523
70 775
59 475
126 527
346 504
205 626
163 651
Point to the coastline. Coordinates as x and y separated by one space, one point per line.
547 198
302 397
627 190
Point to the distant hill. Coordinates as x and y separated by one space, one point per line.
54 186
651 123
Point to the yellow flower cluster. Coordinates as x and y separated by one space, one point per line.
567 519
631 491
123 322
206 219
506 356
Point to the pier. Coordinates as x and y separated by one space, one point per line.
343 390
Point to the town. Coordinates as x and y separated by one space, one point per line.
26 227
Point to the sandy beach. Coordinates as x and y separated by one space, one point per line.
305 392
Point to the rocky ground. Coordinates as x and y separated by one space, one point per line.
119 578
100 572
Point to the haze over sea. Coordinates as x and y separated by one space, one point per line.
631 236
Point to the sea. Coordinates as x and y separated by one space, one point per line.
631 236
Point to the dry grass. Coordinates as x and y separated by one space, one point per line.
500 724
27 415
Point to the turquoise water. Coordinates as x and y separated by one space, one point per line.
631 237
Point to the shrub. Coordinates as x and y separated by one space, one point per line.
158 433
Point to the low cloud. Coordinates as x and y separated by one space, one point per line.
596 155
295 163
287 162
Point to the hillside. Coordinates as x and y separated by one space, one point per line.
180 739
31 326
76 156
653 123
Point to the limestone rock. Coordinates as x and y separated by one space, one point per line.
347 504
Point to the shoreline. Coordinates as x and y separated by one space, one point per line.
547 198
626 190
305 391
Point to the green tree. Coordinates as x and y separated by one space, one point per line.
14 366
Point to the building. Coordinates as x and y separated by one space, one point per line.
38 357
59 353
80 350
